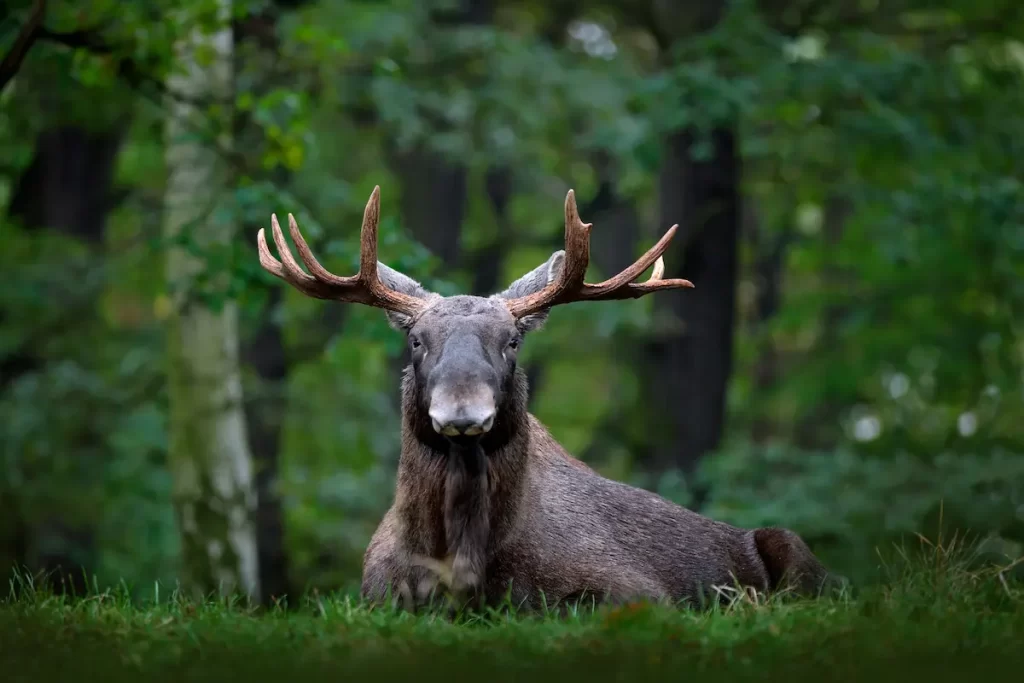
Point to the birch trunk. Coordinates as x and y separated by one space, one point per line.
211 464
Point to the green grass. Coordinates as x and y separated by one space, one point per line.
933 620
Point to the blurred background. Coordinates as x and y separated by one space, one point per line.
846 174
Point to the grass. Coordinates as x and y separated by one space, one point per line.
935 618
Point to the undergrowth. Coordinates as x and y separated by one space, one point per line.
938 615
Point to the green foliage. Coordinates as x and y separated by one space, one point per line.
881 151
84 436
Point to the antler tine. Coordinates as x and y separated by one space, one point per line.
368 239
622 286
569 286
659 269
364 287
267 260
320 273
577 248
291 266
302 282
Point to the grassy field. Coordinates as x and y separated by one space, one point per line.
933 622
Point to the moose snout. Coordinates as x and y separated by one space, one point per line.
468 414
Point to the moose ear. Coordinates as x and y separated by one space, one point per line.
406 285
534 281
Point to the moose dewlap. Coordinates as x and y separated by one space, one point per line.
486 502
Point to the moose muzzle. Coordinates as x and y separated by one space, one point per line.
462 410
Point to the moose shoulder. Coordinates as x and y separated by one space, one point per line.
486 500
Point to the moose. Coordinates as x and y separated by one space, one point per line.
487 504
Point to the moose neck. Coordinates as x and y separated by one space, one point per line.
460 499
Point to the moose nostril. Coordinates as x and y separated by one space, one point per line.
464 425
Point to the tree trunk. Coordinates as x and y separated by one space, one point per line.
487 261
691 365
211 465
67 187
613 248
433 200
264 416
266 407
613 245
770 249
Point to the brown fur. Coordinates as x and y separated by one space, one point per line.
546 528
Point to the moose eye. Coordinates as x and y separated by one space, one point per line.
514 344
415 343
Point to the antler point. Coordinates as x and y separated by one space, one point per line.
659 270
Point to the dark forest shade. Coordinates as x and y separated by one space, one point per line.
690 367
67 188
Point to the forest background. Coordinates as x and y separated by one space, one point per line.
847 179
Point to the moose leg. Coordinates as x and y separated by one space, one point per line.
385 572
383 581
406 581
789 562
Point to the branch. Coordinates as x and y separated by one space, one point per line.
151 87
127 68
11 63
887 21
84 39
146 84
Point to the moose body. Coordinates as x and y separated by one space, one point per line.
487 503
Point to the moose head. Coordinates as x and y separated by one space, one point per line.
464 348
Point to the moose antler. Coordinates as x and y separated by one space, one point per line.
364 287
569 285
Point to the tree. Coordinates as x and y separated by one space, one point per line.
258 51
691 364
209 453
